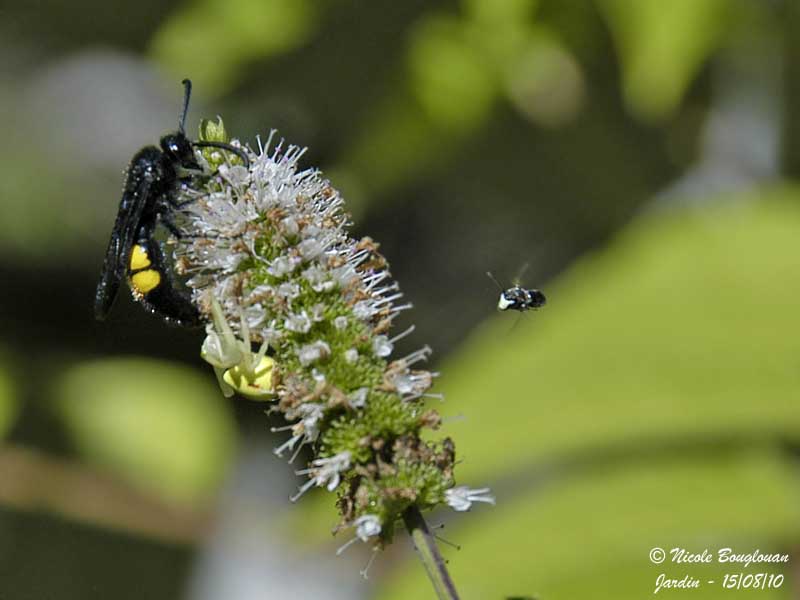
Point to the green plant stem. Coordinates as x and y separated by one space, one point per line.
429 554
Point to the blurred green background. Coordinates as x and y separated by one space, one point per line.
640 156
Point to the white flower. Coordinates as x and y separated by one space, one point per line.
319 278
299 323
318 312
363 310
344 275
289 444
381 346
307 429
288 290
358 398
271 332
412 384
351 355
311 353
418 355
367 526
323 471
283 265
310 248
237 176
460 498
290 226
254 315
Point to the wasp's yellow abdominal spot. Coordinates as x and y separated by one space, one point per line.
145 281
139 258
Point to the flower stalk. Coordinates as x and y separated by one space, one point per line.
428 551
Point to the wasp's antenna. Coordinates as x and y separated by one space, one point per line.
497 283
237 151
187 93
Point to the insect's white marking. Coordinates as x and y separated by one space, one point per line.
504 302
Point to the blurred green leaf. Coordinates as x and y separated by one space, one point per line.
543 80
499 12
457 69
590 537
164 427
684 326
400 133
39 204
662 46
211 42
452 78
8 400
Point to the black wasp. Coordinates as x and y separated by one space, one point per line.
154 176
518 298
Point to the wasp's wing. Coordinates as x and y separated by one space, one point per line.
115 265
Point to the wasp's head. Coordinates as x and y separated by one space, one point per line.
179 150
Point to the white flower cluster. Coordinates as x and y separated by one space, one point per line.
308 226
308 235
299 312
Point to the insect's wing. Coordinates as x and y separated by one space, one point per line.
515 324
108 285
134 199
517 281
497 283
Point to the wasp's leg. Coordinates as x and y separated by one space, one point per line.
180 205
185 183
153 285
172 227
178 233
166 218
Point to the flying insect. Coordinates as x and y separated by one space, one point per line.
518 298
154 176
